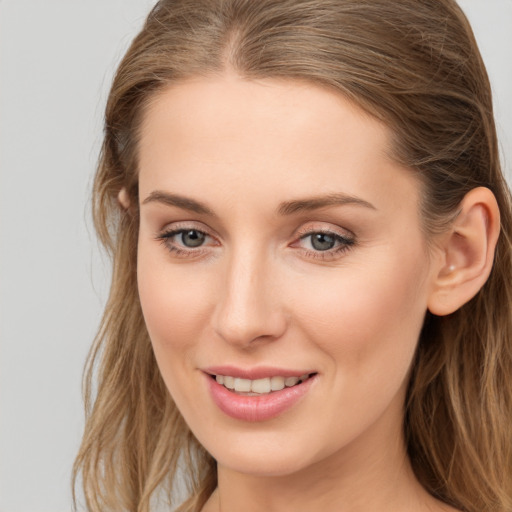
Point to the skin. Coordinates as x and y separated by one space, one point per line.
256 292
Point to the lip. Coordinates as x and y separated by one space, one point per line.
260 372
256 408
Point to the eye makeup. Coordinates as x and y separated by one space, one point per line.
187 241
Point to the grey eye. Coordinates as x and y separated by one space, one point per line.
322 241
192 238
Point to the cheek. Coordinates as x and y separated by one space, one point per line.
368 319
176 304
367 323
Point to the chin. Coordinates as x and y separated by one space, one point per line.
268 465
261 455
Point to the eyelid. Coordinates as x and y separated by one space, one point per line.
345 241
165 237
177 231
309 229
185 224
178 226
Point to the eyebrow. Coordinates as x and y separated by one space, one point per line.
285 208
315 203
185 203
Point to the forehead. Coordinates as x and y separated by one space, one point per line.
268 139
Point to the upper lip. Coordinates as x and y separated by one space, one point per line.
259 372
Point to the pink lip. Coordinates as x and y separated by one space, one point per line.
260 372
256 408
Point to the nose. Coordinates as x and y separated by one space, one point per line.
249 309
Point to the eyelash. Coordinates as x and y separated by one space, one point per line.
344 243
166 236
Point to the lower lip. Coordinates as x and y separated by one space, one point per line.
257 408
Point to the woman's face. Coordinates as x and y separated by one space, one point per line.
278 240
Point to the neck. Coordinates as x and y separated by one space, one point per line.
369 474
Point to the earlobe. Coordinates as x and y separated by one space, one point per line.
467 253
123 198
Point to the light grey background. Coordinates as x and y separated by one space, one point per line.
56 63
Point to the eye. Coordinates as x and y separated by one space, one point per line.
191 238
185 242
324 244
325 241
322 241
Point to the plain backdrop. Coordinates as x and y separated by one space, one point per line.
56 62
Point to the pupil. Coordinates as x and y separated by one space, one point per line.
192 238
322 241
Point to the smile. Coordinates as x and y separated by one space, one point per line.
257 387
257 399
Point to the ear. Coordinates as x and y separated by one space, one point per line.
466 253
123 198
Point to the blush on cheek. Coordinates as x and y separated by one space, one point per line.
169 321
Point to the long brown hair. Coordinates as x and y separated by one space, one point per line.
415 65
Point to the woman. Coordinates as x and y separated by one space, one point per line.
310 305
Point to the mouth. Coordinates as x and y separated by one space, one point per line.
268 394
259 387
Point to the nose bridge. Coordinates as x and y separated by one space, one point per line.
248 307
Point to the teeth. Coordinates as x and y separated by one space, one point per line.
243 385
291 381
229 382
260 386
277 383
